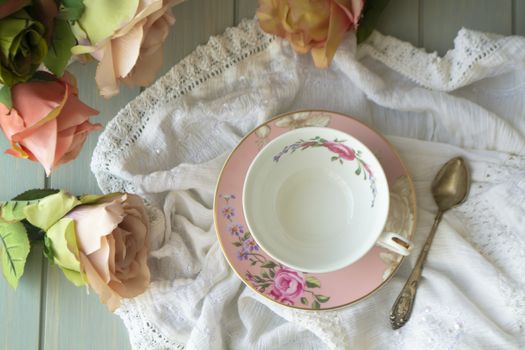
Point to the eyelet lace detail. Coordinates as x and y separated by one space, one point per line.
206 62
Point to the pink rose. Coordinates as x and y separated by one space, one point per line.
48 123
342 150
288 285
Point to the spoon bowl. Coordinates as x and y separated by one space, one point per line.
451 184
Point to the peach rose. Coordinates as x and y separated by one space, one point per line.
132 53
48 123
317 26
101 240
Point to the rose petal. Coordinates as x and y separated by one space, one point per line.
100 259
107 295
145 70
156 33
120 246
74 113
94 222
36 100
139 283
339 24
10 121
105 74
33 121
63 154
42 144
126 51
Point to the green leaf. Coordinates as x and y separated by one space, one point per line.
5 96
313 282
71 9
340 161
334 158
102 18
14 248
322 298
265 275
14 209
304 301
272 274
358 171
34 194
50 209
237 244
59 51
371 14
246 235
268 265
316 305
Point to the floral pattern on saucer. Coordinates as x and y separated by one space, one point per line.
341 151
283 284
286 286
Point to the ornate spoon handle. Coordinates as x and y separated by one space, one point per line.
402 308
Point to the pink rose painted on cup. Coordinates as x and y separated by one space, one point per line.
288 285
343 151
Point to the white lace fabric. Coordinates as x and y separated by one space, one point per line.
169 144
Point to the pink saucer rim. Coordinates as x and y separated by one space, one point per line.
391 147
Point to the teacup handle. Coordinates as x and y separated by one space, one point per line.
395 243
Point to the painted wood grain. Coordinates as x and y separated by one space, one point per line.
68 318
518 17
20 309
442 19
245 9
400 19
73 319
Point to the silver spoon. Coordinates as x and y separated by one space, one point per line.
449 188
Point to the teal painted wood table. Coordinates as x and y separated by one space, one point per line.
46 311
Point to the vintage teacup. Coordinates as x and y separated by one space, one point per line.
317 200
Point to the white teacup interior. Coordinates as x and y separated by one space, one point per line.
306 206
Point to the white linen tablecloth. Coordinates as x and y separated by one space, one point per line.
169 144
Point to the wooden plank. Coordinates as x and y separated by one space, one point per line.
196 21
71 318
519 17
442 19
74 320
245 9
401 19
20 309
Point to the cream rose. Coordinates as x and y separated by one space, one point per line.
101 241
128 43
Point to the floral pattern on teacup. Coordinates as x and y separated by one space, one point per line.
281 283
342 153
